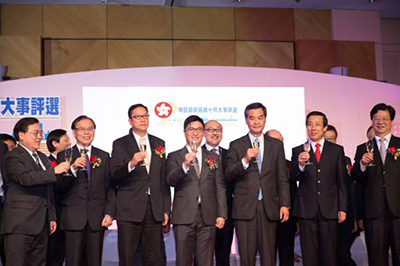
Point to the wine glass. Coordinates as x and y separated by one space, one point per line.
68 158
193 147
142 148
370 148
84 155
256 145
307 148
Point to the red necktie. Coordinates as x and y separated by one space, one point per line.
317 152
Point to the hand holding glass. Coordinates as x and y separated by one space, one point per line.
307 148
68 158
370 149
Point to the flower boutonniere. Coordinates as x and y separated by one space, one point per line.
95 161
394 152
349 167
160 151
211 163
51 164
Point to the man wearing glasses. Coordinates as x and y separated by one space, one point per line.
88 200
29 214
143 197
223 240
257 167
200 198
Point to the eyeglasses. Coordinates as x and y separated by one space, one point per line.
36 133
258 118
214 130
139 117
84 129
383 119
192 129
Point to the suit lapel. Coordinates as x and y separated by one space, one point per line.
325 152
204 164
28 157
266 153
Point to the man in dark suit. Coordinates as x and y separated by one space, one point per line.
143 196
321 200
223 239
57 141
346 230
286 232
381 182
87 197
199 203
257 166
29 213
3 151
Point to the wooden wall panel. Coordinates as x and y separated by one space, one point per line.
69 21
264 24
22 20
204 53
75 55
318 56
22 55
139 53
312 24
203 23
139 22
358 57
265 54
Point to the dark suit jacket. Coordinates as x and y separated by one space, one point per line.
273 179
210 186
322 185
375 177
132 187
28 193
83 203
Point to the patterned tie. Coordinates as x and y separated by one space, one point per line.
87 165
36 157
317 152
382 150
215 151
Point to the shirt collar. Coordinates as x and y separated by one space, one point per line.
28 150
387 138
252 137
321 142
209 147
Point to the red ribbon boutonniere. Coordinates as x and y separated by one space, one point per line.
51 164
95 161
160 151
349 167
394 152
287 169
211 163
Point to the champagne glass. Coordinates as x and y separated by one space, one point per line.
68 158
193 147
370 148
256 145
307 148
142 148
84 155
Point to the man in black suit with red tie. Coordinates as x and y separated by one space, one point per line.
379 173
199 204
321 199
88 200
57 141
257 167
143 196
28 215
213 132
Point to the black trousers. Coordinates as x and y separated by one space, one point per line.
56 248
223 243
285 235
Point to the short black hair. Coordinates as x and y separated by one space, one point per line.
192 118
253 106
4 137
332 128
318 113
133 107
368 130
383 107
54 135
23 124
80 118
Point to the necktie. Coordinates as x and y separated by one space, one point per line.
215 151
317 152
87 165
382 150
36 157
259 164
196 167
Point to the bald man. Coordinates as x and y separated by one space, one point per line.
285 232
213 132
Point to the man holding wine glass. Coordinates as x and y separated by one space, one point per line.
143 196
199 205
381 183
256 165
88 199
321 199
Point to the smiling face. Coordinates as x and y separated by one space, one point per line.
32 137
381 123
63 144
84 132
139 121
315 128
213 133
194 131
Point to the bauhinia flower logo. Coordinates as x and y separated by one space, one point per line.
211 163
160 151
95 161
395 152
349 167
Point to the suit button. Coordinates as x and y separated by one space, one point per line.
384 172
319 193
319 170
319 181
